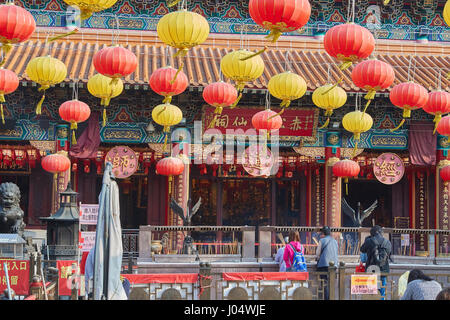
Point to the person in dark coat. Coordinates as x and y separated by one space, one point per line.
378 250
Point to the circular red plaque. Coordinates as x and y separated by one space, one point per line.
124 161
257 160
388 168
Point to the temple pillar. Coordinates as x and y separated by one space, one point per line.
332 183
442 198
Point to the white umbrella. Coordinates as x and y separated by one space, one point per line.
108 242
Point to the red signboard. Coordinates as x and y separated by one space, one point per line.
19 276
66 274
296 122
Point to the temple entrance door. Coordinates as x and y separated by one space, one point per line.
366 191
246 202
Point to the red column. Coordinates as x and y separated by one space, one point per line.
332 183
442 198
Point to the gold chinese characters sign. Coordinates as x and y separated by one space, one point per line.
124 161
388 168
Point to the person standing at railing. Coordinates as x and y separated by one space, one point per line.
378 250
421 287
279 256
288 255
327 251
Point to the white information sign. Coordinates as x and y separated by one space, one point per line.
88 214
87 240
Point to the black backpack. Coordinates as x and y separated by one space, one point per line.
379 254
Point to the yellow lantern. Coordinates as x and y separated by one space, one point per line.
88 7
446 13
329 98
234 66
45 71
357 122
166 115
182 30
102 87
287 86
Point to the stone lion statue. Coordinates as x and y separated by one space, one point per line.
11 216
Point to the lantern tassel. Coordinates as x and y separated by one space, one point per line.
365 108
345 65
63 35
448 76
236 101
114 81
285 103
167 99
181 53
73 127
3 117
217 112
39 105
6 47
274 35
333 86
325 124
254 54
278 114
171 3
436 120
386 2
399 126
346 186
178 71
104 117
355 148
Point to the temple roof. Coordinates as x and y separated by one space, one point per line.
426 64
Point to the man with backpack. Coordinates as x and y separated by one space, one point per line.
378 250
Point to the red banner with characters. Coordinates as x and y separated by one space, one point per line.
296 122
19 276
66 272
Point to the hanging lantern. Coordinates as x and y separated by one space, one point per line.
408 96
279 16
446 13
287 86
241 71
445 174
329 98
16 25
46 71
357 122
101 87
182 30
166 115
348 43
219 95
170 166
267 120
346 169
438 105
160 82
443 127
55 163
372 76
74 111
88 7
8 84
115 62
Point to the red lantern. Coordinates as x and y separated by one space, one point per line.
162 81
8 84
115 62
348 43
170 166
219 94
346 169
74 111
16 25
408 96
438 104
445 174
267 120
55 163
443 127
279 16
372 76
